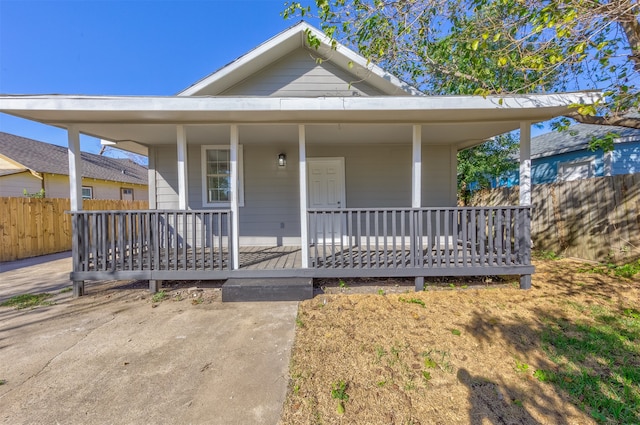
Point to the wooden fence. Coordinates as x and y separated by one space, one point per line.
30 227
594 219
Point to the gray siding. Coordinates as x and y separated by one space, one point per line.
298 75
167 177
438 181
376 175
272 206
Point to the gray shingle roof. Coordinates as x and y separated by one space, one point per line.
576 137
47 158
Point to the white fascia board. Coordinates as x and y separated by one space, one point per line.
177 109
391 103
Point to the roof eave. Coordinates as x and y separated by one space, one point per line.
182 109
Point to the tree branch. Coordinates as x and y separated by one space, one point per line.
622 121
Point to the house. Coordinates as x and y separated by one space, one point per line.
33 166
566 155
298 161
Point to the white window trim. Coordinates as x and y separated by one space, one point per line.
122 189
203 169
90 188
591 160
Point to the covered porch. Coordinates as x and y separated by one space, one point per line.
399 219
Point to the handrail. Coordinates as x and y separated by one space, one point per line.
430 237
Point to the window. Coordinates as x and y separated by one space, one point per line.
87 192
216 176
576 170
126 194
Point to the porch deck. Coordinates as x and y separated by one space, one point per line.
184 245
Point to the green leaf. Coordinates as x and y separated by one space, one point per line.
475 44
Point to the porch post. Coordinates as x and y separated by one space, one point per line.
453 175
235 238
304 226
155 285
75 197
525 164
182 168
525 199
153 201
75 169
416 197
416 185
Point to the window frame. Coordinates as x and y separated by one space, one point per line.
122 189
203 172
90 188
563 166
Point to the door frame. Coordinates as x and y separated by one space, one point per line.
343 199
341 167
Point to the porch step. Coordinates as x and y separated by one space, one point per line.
277 289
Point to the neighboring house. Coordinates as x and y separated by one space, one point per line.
566 155
295 161
32 166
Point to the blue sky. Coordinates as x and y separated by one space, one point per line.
132 47
114 47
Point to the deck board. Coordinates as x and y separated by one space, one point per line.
290 257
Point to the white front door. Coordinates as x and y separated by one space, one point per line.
326 190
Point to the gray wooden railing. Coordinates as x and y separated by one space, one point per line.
138 240
420 237
435 240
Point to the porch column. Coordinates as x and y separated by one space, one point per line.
304 226
153 201
75 169
235 238
155 285
416 185
525 164
525 199
182 168
453 175
416 195
75 197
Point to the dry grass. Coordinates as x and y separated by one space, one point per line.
455 356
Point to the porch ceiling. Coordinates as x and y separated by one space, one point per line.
459 120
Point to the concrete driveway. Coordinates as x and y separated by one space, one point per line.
114 356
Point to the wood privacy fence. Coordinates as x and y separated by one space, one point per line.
30 227
594 219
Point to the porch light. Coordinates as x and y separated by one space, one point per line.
282 160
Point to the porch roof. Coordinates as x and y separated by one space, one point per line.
470 119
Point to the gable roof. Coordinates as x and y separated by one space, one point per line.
577 137
286 42
47 158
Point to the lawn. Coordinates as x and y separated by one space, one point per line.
565 352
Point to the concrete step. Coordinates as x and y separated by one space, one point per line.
273 289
